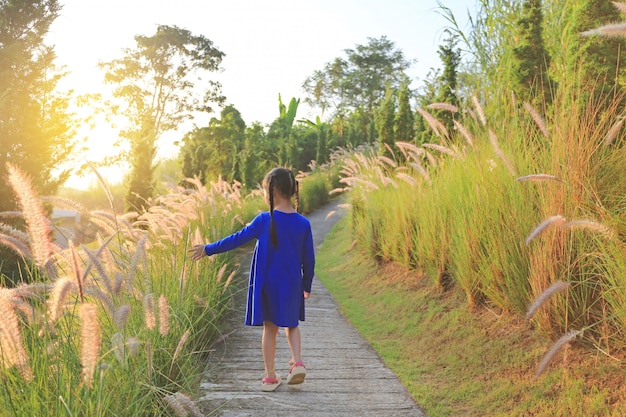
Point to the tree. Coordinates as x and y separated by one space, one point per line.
451 58
385 117
531 59
36 128
597 58
214 151
360 79
404 124
322 130
280 132
155 91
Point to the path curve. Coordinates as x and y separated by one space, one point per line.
345 376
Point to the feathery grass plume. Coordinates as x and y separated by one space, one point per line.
90 341
164 316
406 178
547 358
60 292
228 280
179 347
11 343
102 273
421 171
613 30
34 215
613 132
134 261
148 310
436 126
175 405
133 345
188 404
464 132
590 225
330 214
336 191
387 161
538 177
552 289
11 231
552 220
121 315
541 124
479 110
496 147
620 6
101 296
443 106
440 148
220 273
117 346
16 245
431 159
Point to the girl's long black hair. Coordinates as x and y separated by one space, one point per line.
283 182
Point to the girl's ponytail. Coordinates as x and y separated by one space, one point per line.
297 196
273 237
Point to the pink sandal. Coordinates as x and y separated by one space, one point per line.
296 374
270 384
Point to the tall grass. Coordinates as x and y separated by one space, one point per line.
114 327
119 326
506 208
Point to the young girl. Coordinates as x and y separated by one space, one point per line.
281 273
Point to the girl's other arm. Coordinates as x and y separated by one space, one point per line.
308 263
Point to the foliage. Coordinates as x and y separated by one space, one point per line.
356 85
114 326
153 88
215 150
532 61
36 126
403 125
451 59
384 119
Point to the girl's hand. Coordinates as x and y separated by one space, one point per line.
307 295
197 252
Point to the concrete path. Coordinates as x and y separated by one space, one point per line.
345 376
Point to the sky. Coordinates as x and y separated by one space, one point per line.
270 46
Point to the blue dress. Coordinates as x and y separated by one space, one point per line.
278 275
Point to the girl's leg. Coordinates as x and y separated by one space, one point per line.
268 345
293 338
298 371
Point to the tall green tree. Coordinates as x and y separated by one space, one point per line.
385 118
404 123
599 59
451 58
36 127
531 59
155 91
